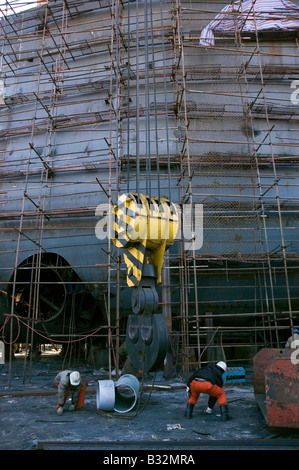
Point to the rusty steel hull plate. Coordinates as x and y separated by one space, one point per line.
276 387
282 393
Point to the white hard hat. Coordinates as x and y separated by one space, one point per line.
75 378
222 365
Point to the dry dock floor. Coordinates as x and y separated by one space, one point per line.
29 420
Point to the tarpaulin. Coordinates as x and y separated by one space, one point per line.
252 15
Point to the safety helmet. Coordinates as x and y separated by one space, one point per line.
222 365
75 378
296 330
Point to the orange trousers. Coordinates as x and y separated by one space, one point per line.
80 401
196 388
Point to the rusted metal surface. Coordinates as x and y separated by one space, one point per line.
276 387
261 362
282 393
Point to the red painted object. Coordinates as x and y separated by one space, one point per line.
276 387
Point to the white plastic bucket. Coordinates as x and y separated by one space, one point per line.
126 393
105 395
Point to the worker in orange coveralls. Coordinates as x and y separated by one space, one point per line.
209 380
68 382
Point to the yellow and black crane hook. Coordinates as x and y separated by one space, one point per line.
144 227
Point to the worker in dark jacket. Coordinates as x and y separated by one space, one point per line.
68 382
209 380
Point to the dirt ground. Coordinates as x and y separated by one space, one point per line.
29 420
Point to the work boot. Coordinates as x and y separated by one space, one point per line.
189 411
224 413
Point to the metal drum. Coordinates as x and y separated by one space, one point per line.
105 395
126 393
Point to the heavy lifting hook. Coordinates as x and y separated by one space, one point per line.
144 228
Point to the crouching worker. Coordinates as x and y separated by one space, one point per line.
70 382
208 380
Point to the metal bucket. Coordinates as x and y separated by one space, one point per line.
105 395
126 392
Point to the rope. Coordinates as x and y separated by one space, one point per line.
36 332
4 324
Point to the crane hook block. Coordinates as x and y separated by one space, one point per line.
143 223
